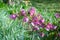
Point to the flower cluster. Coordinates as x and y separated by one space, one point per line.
36 20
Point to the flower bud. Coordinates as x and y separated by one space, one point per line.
32 11
23 12
57 15
13 16
35 20
42 34
41 21
25 19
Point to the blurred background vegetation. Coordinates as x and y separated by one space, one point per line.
51 5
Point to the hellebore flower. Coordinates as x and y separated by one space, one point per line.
42 34
50 27
13 16
57 15
41 21
35 18
25 19
23 12
35 21
35 28
42 25
32 11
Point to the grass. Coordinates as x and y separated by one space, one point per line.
15 29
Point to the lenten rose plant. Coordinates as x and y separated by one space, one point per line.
36 22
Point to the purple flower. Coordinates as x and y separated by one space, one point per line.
23 12
42 34
42 25
57 15
32 11
35 21
13 16
25 19
35 18
35 28
50 27
41 21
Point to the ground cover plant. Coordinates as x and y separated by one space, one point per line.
30 20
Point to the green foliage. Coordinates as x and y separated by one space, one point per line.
16 30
